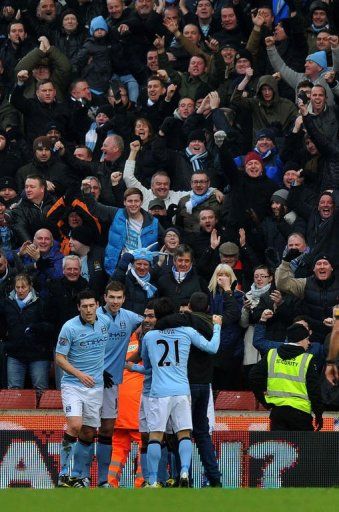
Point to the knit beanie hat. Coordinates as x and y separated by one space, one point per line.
8 182
105 109
280 196
319 58
66 12
252 155
83 234
42 142
318 5
296 332
323 257
265 132
290 166
97 23
244 54
196 135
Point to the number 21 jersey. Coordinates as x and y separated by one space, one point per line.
167 353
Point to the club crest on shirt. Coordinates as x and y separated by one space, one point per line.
63 341
104 330
122 325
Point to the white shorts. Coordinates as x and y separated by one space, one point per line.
110 403
143 412
177 408
84 403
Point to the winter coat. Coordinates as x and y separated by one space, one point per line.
179 293
231 336
29 335
27 218
38 115
94 63
279 110
136 297
53 170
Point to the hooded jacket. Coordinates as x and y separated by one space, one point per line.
279 110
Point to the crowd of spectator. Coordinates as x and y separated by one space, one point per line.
176 147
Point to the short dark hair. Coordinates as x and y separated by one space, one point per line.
150 304
37 177
40 83
183 249
163 307
133 190
304 83
264 267
199 302
156 77
15 22
115 286
86 294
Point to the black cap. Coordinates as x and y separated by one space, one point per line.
156 203
8 182
297 332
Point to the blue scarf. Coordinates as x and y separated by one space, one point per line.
197 161
319 29
145 284
196 199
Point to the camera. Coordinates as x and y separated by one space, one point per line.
303 97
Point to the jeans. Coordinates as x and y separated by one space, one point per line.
200 395
16 373
132 85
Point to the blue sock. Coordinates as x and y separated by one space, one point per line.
82 459
185 452
104 453
66 453
163 464
153 458
144 466
90 458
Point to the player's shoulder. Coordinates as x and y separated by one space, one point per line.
72 323
131 315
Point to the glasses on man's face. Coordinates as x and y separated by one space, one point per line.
260 276
199 182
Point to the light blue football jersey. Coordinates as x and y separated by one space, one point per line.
84 345
167 353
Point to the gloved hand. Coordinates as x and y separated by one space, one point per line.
291 255
44 264
319 422
125 260
168 125
108 380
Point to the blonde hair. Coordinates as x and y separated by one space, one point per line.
222 267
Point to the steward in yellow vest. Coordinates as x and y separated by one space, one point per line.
291 381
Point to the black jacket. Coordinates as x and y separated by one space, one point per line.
180 293
53 170
63 293
27 218
29 335
136 297
38 115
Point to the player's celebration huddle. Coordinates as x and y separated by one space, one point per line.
91 350
169 194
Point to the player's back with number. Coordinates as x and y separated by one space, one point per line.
167 352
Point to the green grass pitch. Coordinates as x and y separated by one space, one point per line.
170 500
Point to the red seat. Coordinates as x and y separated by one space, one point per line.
50 399
18 399
235 401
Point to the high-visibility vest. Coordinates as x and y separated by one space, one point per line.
286 381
